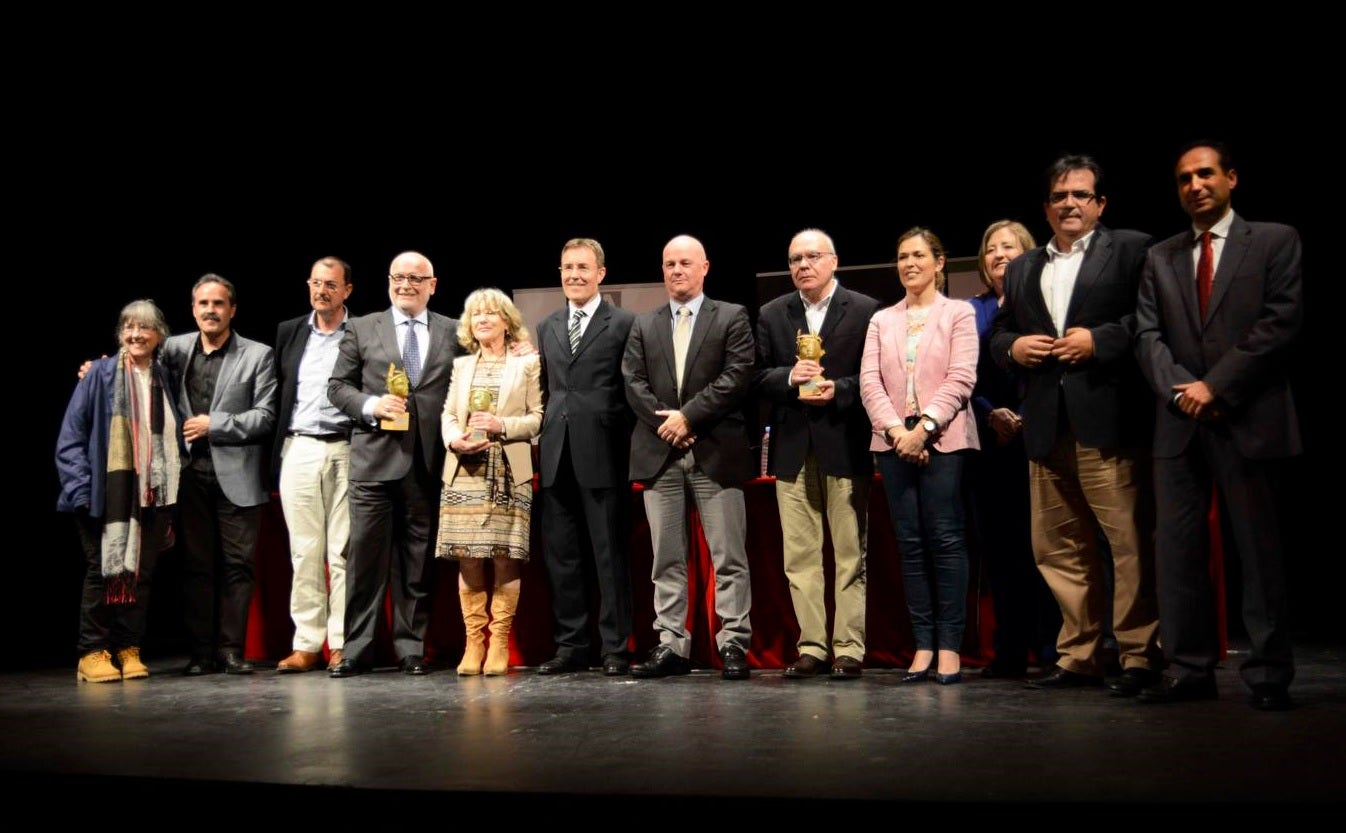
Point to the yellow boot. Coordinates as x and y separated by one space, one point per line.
473 603
504 601
97 667
132 667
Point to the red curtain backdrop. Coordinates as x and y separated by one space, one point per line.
888 638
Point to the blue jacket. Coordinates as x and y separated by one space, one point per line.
81 447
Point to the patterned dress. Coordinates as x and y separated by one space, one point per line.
483 513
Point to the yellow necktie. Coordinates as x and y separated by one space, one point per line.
682 334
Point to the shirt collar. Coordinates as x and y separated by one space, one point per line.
826 300
1053 251
1220 229
400 317
589 306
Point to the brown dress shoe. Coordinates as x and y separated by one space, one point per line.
299 662
334 660
807 666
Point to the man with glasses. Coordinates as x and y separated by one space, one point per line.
584 449
819 452
1067 325
396 462
311 458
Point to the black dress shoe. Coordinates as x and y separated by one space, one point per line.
348 667
1179 690
735 663
616 665
198 667
1133 681
1269 697
806 666
847 668
663 662
915 676
414 664
949 679
562 665
1062 678
234 663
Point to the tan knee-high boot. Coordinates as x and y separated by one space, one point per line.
473 603
504 601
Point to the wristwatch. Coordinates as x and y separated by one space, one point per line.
928 424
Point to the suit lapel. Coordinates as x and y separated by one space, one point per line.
663 340
836 311
1095 260
701 324
228 371
559 333
794 315
387 335
1180 262
602 314
1032 289
1235 248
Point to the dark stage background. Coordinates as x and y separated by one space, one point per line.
163 189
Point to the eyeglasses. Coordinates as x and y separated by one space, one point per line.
1058 197
330 286
811 257
137 327
582 268
414 280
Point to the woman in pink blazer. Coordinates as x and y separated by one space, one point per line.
916 378
492 413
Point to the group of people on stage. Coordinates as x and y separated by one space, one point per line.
1085 410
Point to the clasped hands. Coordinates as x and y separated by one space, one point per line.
1197 400
675 430
1076 346
909 444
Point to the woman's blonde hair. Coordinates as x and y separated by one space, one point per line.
490 299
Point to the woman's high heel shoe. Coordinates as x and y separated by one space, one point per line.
916 676
949 679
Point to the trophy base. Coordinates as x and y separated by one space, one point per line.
810 390
476 435
401 423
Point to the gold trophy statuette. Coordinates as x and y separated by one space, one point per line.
479 399
809 346
398 385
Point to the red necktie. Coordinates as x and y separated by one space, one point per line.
1205 272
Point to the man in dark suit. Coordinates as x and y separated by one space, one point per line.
311 460
688 367
819 452
395 472
1220 306
228 384
1067 325
585 449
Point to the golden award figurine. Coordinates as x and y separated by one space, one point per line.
398 385
809 346
479 399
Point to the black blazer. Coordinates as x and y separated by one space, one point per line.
716 381
361 371
838 432
1106 401
1241 349
584 398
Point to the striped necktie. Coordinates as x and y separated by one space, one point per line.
575 331
411 354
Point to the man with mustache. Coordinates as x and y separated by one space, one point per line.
228 385
311 458
1066 326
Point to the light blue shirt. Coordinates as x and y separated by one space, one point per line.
313 412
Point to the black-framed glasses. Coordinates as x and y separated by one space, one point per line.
414 280
1058 197
811 257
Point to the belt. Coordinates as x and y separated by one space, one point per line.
326 438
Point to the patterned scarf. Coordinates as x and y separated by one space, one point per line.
128 487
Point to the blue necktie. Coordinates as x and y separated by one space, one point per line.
411 354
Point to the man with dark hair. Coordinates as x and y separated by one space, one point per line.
1067 325
311 459
228 385
1221 305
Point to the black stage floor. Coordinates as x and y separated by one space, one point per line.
530 745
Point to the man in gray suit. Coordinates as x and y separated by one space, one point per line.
395 474
228 385
688 366
1221 305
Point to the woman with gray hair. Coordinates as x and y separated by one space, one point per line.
118 458
492 412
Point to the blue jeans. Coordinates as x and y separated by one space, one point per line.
925 504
